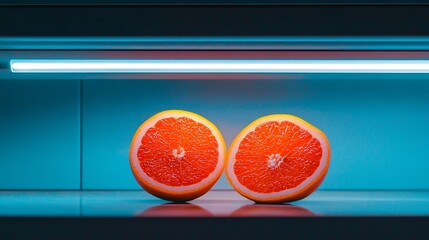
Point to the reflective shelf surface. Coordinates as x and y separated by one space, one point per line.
216 203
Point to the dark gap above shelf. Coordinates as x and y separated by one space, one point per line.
215 20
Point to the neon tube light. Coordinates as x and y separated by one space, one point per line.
219 66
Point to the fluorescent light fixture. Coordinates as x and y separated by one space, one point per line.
219 66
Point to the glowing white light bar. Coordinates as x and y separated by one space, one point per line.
219 66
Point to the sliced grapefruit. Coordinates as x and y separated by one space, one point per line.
278 158
177 155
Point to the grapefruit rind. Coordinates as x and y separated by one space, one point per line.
302 190
176 193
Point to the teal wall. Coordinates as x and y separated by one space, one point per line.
39 134
377 125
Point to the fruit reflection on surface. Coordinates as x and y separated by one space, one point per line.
250 210
278 158
176 210
277 210
177 155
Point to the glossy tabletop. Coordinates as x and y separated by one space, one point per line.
217 203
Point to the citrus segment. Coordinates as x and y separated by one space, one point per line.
177 155
278 158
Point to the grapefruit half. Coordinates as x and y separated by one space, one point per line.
177 155
278 158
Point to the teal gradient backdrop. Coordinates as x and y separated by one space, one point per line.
39 134
377 124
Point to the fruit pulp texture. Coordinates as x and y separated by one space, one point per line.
276 156
178 152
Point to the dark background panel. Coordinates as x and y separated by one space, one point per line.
215 228
283 20
211 2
